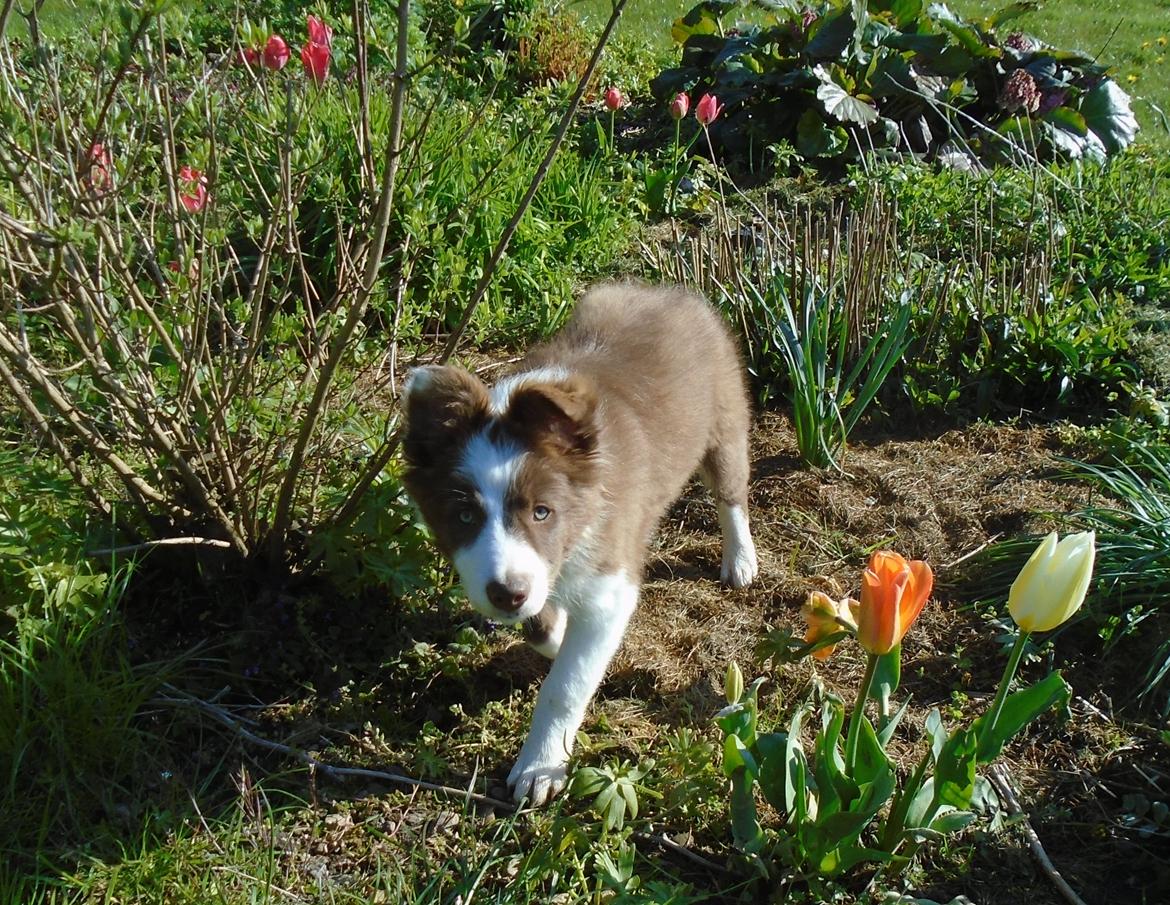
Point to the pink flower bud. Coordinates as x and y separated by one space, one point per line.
100 176
276 53
708 110
192 189
250 56
679 106
614 99
316 60
319 32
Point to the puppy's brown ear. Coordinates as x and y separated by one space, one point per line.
560 417
444 406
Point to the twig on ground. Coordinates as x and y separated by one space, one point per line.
330 770
162 542
1001 779
665 842
338 771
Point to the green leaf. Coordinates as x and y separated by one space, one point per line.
745 828
700 20
841 105
966 34
1019 709
1067 119
903 12
887 731
936 731
831 35
736 756
814 138
952 821
887 675
954 771
773 748
1108 114
1007 13
871 758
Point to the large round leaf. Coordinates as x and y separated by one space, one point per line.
1108 115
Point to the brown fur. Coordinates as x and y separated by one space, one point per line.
655 393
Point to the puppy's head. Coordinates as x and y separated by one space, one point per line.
505 478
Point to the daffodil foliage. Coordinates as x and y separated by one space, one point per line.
844 77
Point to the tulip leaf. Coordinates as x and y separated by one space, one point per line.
773 776
745 827
736 756
891 725
954 772
834 789
952 821
871 758
1019 709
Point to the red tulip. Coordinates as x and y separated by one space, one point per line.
192 189
276 53
679 106
316 60
614 99
708 109
100 176
893 593
319 32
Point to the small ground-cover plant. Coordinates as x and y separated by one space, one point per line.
843 78
845 805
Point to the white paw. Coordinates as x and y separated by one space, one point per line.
536 781
740 566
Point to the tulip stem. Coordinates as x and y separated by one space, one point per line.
1001 693
859 714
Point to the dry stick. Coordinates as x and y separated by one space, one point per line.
533 186
34 375
46 429
162 542
1001 779
358 306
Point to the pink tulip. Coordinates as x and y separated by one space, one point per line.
316 60
707 110
614 99
679 106
276 53
192 189
319 32
101 165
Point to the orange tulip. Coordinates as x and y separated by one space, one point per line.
825 616
893 592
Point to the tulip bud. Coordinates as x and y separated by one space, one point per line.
276 53
733 683
192 189
614 99
1053 583
679 106
316 60
824 617
708 109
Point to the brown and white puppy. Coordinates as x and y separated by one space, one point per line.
546 489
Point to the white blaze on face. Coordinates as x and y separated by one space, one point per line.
497 554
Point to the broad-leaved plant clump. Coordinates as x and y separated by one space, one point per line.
841 78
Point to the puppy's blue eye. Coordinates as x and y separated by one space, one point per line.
540 513
467 516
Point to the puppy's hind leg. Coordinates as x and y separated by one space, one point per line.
725 471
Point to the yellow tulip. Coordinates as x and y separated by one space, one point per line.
1053 583
826 616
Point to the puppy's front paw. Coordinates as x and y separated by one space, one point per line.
538 782
740 565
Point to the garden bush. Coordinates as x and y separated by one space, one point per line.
839 79
216 267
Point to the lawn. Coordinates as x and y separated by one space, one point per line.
234 668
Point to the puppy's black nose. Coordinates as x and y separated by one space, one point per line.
509 596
